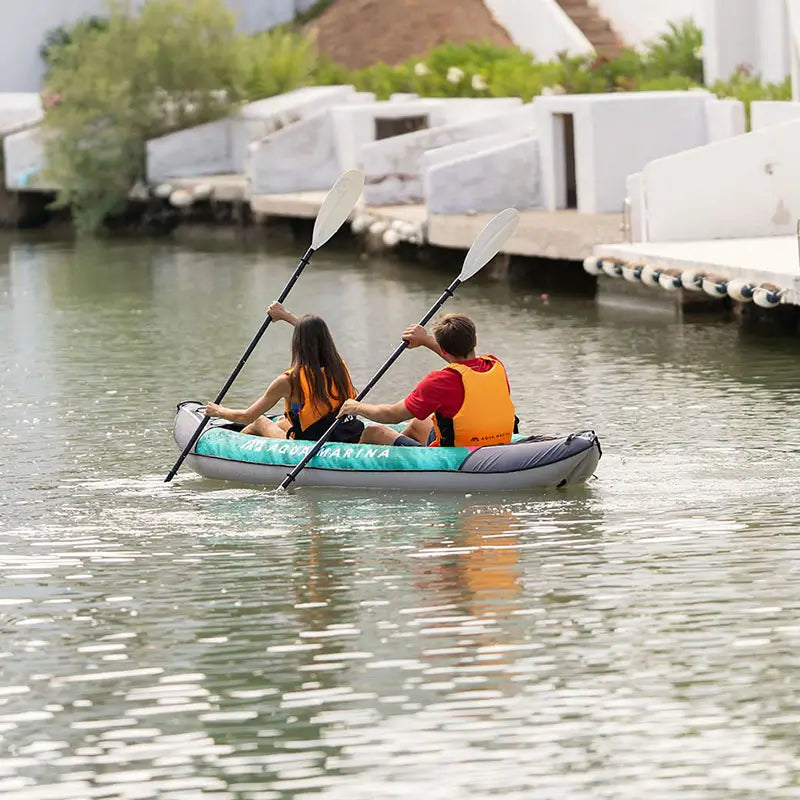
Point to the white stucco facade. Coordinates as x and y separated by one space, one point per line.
753 34
18 111
221 147
393 166
24 26
496 176
748 186
24 160
764 113
304 155
615 135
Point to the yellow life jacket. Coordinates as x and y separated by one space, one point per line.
487 414
307 414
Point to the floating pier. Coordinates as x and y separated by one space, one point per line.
764 270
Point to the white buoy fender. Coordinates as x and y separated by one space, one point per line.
391 237
715 285
650 275
692 281
378 227
360 223
632 272
611 267
163 191
591 264
768 295
181 198
741 291
670 279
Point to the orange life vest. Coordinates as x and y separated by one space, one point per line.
304 416
487 414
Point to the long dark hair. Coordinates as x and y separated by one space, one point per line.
313 349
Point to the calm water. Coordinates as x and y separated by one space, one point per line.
636 637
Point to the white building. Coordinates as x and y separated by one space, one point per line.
24 26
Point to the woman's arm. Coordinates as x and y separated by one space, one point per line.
417 336
279 388
278 312
385 413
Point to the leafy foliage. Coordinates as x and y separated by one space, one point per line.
277 61
58 37
109 90
676 53
480 69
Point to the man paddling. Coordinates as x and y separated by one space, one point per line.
465 404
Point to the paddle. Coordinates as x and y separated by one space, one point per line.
335 209
485 247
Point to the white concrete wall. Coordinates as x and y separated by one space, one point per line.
764 113
637 21
615 135
744 187
468 109
24 160
392 167
793 7
635 208
452 152
23 27
18 111
507 174
356 125
299 158
540 27
221 147
725 118
202 150
303 155
746 32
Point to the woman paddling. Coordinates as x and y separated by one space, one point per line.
313 388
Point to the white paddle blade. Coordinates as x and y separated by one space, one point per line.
489 242
336 206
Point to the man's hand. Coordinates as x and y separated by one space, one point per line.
349 407
416 336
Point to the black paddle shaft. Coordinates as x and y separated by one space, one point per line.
290 477
232 377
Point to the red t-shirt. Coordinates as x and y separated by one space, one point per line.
443 390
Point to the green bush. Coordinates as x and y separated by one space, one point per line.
110 90
480 69
277 61
59 37
676 53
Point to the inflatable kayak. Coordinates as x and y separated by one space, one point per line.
528 462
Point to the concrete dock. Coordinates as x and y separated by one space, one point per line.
565 235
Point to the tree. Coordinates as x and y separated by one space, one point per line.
110 89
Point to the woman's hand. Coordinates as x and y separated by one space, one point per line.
212 410
278 312
349 407
416 336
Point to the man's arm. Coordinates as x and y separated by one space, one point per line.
385 413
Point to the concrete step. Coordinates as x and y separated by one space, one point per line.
593 26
